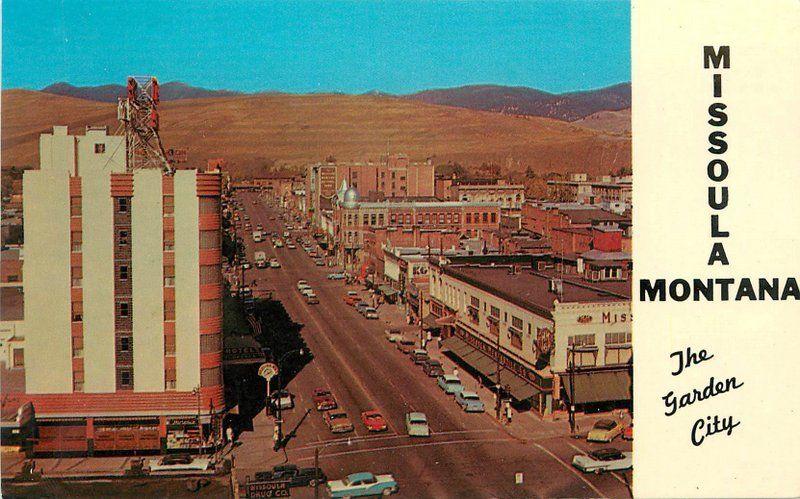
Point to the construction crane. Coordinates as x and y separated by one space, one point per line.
138 116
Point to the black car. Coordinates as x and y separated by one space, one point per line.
297 477
433 368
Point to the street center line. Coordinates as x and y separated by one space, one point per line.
570 469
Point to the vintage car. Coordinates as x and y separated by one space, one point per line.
469 401
603 460
338 422
363 484
295 476
449 383
433 368
417 425
605 430
324 399
374 421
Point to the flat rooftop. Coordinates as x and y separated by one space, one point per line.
530 289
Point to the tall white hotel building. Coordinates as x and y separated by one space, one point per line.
123 300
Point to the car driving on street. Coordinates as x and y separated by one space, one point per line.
324 399
294 475
338 422
363 484
417 424
450 383
374 421
603 460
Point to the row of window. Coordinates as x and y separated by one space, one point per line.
484 217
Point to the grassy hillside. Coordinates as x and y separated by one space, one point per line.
254 131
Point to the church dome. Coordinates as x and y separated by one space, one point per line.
351 196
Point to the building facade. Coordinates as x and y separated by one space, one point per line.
123 305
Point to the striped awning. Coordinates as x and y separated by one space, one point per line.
598 386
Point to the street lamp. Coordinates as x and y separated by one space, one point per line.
196 392
279 418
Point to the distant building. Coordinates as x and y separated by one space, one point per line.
615 193
123 300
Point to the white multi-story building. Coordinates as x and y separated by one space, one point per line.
123 299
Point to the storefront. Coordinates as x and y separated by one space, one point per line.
184 434
125 434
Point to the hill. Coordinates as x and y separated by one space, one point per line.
256 131
172 90
530 101
608 121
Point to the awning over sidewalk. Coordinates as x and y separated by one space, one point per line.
387 290
518 387
598 386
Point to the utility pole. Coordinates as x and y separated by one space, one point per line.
316 467
572 390
196 391
498 386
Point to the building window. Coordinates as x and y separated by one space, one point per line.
122 205
209 274
123 238
77 276
210 377
582 350
77 381
77 311
209 205
125 344
123 272
485 217
124 309
210 239
170 379
169 344
457 218
169 310
169 205
77 241
210 343
210 309
469 218
516 323
494 217
75 206
169 240
77 346
169 275
124 379
19 357
380 219
99 148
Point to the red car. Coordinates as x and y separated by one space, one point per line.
627 433
374 421
324 400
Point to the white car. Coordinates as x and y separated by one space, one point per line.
307 291
301 283
274 263
602 460
179 462
370 313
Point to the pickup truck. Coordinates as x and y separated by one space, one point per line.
297 477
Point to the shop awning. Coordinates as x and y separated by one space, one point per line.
429 322
518 387
598 386
387 290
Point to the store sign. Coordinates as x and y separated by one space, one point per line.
268 370
584 319
268 489
185 421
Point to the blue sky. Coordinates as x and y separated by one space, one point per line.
314 46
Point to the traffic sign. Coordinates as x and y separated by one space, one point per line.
268 370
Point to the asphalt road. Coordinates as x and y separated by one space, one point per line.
468 455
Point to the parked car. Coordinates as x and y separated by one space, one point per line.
361 306
449 383
312 299
419 356
179 462
352 293
295 476
324 399
417 425
338 422
301 283
605 430
627 433
370 313
307 291
602 460
469 401
352 300
433 368
274 263
406 344
374 421
363 484
319 262
291 246
282 399
336 276
393 334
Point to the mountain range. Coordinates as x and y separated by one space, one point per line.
522 101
